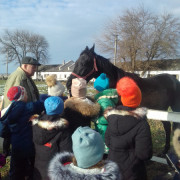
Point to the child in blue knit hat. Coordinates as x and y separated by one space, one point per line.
50 134
86 162
107 98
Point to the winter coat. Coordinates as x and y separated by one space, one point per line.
61 168
19 78
18 121
129 140
50 135
80 112
106 98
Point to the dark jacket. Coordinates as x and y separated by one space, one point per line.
129 140
60 169
49 141
80 112
17 117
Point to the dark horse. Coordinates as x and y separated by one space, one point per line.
158 92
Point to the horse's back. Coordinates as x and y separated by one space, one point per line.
160 92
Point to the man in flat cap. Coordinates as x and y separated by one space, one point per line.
21 77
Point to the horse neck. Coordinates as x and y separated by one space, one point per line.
113 72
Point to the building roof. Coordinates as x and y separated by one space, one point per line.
66 67
154 65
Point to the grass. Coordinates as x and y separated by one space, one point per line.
157 132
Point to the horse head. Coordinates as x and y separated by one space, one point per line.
85 67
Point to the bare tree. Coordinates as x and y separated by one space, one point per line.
141 36
39 47
19 43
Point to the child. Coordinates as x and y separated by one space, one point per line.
17 119
79 110
86 162
128 133
55 88
106 98
50 135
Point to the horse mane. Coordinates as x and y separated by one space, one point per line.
113 71
104 65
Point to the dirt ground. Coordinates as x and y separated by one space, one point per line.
158 171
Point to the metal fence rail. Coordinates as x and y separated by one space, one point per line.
162 116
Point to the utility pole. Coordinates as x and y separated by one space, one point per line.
7 65
115 48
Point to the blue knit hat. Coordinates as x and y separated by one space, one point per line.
54 105
88 147
101 83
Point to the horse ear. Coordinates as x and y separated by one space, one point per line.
92 49
86 49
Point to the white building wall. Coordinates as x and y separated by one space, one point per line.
59 75
152 73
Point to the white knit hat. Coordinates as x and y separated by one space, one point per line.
56 90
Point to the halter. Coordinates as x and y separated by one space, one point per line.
93 70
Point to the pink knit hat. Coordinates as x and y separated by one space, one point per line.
16 93
78 87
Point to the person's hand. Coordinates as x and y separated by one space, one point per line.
35 116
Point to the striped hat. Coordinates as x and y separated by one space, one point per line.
16 93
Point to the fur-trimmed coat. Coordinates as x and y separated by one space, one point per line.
61 168
50 135
129 140
80 112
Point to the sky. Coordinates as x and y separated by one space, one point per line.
70 25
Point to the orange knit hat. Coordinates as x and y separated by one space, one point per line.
129 91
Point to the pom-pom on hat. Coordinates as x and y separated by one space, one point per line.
16 93
101 83
129 91
88 147
54 105
55 88
78 87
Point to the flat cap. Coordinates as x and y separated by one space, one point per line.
30 60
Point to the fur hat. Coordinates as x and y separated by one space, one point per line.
176 141
55 88
54 105
88 147
129 91
101 83
16 93
78 87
